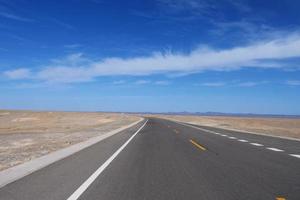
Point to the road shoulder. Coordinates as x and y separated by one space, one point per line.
12 174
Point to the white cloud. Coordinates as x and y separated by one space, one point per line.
21 73
293 82
75 59
262 54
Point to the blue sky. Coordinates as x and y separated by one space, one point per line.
159 55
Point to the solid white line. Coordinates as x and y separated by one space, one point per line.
232 138
256 144
274 149
243 140
295 155
93 177
17 172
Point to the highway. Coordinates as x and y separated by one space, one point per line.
163 160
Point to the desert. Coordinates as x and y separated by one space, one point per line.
282 127
25 135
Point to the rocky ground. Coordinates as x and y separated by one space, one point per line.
26 135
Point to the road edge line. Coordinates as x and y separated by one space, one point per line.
17 172
228 129
79 191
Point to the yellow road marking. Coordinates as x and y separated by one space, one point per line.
197 145
280 198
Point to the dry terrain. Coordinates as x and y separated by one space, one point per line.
25 135
270 126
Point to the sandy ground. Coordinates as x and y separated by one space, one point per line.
26 135
269 126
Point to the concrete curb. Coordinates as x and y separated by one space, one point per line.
14 173
236 130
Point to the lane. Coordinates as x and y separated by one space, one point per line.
161 163
95 175
60 179
276 170
291 146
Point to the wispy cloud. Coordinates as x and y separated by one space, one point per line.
251 83
142 82
245 26
196 9
261 54
241 6
213 84
18 37
61 23
119 82
8 11
184 5
72 46
3 49
176 10
15 17
293 82
162 82
232 83
21 73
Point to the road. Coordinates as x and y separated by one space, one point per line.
163 160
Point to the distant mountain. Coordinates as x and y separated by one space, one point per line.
220 114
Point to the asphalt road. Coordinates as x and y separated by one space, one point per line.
166 160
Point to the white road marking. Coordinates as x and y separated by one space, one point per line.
93 177
256 144
232 138
241 140
295 155
274 149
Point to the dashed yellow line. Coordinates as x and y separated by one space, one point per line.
280 198
198 145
